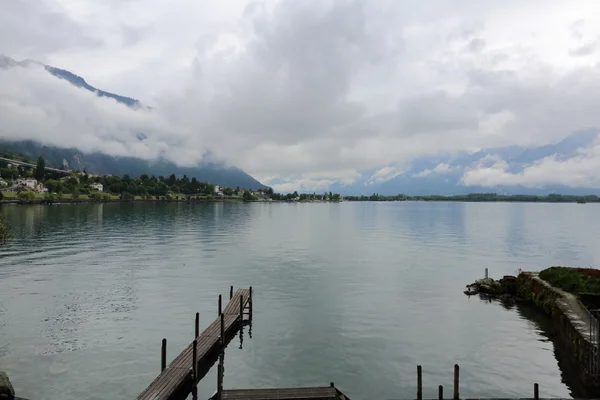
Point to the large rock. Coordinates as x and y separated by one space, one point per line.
488 286
6 389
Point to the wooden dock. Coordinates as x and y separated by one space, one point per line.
309 393
178 379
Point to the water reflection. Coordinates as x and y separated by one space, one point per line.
358 294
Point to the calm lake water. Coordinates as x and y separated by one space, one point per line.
354 293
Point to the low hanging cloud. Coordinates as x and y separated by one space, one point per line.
579 171
306 94
441 168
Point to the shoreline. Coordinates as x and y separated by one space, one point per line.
240 200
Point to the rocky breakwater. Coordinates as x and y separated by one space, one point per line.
502 288
6 389
576 329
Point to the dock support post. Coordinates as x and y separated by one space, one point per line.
197 325
219 380
331 384
440 392
419 383
456 372
230 292
536 391
486 273
242 309
250 303
220 305
163 355
194 361
222 331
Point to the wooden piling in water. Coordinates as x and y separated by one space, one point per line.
163 355
195 360
222 330
536 391
440 392
220 305
241 309
456 372
230 292
419 383
250 304
197 330
219 380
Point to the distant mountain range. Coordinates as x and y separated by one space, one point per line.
105 164
443 174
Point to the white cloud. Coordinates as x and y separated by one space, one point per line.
306 91
580 170
384 174
441 168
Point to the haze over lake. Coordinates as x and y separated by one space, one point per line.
354 293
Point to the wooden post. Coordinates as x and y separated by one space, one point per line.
220 305
219 381
197 325
456 371
419 383
486 273
195 361
331 384
230 292
250 303
163 355
222 331
536 391
241 308
441 393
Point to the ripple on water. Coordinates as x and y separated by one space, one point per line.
358 294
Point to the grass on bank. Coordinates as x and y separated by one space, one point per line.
579 281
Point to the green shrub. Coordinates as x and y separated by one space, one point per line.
26 197
126 196
96 196
106 197
574 280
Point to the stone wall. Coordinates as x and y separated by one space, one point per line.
571 323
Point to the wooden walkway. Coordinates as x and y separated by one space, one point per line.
179 378
310 393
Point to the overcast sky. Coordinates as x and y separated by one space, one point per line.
311 92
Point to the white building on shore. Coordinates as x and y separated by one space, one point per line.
97 186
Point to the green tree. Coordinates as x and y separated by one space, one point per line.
26 197
75 192
247 196
40 169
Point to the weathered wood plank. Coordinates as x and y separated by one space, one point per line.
310 393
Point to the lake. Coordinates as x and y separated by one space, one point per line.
354 293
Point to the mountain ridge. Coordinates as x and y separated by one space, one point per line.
105 164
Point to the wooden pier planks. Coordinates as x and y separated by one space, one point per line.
179 372
312 393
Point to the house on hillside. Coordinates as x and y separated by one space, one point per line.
97 186
28 183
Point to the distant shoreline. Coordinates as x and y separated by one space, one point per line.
239 200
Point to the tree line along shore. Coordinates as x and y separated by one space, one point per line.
40 184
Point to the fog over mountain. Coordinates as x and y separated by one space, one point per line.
361 97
